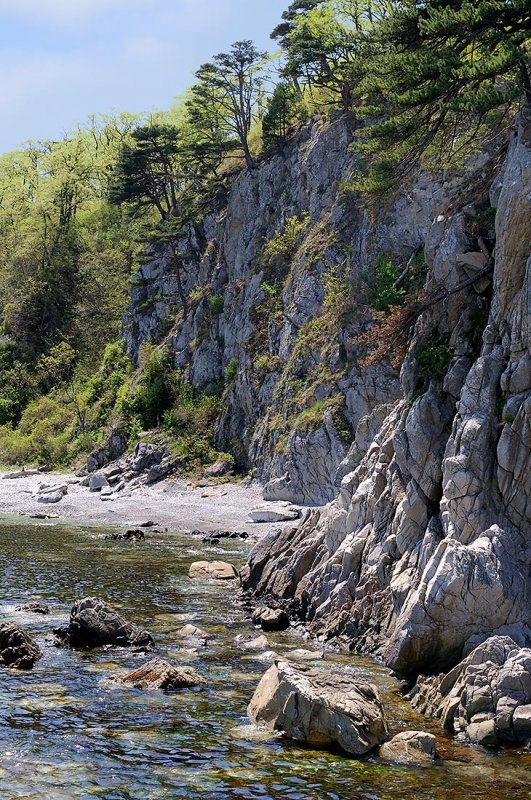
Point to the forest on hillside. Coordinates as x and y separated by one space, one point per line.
424 85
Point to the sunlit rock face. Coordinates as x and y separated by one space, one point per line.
299 394
426 550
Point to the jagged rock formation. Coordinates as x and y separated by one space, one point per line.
17 648
487 696
427 550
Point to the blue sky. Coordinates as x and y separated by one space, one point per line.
62 60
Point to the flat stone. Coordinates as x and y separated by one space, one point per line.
274 514
216 570
34 608
160 674
256 645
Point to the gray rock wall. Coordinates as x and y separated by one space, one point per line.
426 551
284 367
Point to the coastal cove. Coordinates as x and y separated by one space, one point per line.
67 731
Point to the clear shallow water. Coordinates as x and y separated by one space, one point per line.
67 732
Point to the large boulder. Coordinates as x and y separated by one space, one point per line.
93 623
17 648
487 697
411 748
321 707
160 674
98 481
212 570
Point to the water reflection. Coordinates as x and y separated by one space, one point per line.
67 732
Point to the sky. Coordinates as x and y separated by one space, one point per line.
63 60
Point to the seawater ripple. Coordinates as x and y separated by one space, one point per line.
68 733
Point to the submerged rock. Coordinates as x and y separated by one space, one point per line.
34 608
320 707
128 536
487 696
194 636
216 570
94 623
410 747
17 648
160 674
255 645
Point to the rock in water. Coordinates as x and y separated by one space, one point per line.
217 570
17 648
410 747
34 608
271 619
160 674
320 707
93 623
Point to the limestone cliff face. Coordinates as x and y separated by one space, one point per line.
426 551
295 395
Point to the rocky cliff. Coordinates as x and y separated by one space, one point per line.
426 551
273 276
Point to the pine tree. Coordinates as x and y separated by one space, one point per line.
441 76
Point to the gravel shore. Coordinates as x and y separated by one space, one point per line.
171 504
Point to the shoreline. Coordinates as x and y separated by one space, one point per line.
171 504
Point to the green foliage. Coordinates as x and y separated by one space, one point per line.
154 389
215 304
284 108
272 290
226 98
231 370
440 77
434 357
189 427
146 172
382 290
280 250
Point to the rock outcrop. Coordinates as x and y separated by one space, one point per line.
160 674
94 623
17 648
321 707
487 697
